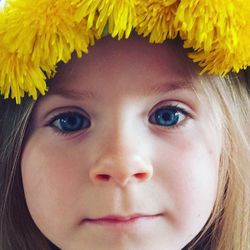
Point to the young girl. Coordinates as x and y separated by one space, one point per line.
131 148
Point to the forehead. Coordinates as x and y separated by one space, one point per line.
124 61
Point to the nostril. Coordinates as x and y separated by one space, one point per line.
103 177
141 176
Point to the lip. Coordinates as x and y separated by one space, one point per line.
119 219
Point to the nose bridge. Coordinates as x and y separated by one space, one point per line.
120 139
121 159
121 131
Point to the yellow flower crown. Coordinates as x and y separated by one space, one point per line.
36 35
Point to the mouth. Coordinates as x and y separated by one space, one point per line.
121 220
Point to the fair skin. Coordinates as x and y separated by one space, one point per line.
146 147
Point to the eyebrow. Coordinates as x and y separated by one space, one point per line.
168 87
73 94
147 91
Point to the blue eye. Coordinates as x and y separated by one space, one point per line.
168 116
70 122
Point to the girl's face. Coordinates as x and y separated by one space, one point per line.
123 152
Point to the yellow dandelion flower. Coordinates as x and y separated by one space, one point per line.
19 75
43 31
204 22
156 18
47 27
36 35
219 34
119 15
220 61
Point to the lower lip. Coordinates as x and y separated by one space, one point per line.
113 222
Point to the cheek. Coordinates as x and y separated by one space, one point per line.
189 173
51 183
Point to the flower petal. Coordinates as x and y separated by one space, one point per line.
156 18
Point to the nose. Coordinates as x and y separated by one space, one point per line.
121 162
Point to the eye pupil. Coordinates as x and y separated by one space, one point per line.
167 116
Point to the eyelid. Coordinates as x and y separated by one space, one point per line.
59 131
180 107
60 115
54 113
177 104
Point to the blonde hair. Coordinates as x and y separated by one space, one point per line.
229 224
233 207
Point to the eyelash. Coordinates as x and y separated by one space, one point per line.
59 116
176 108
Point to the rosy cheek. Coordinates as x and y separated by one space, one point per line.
51 183
189 171
44 172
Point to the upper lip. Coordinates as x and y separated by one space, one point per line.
121 217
